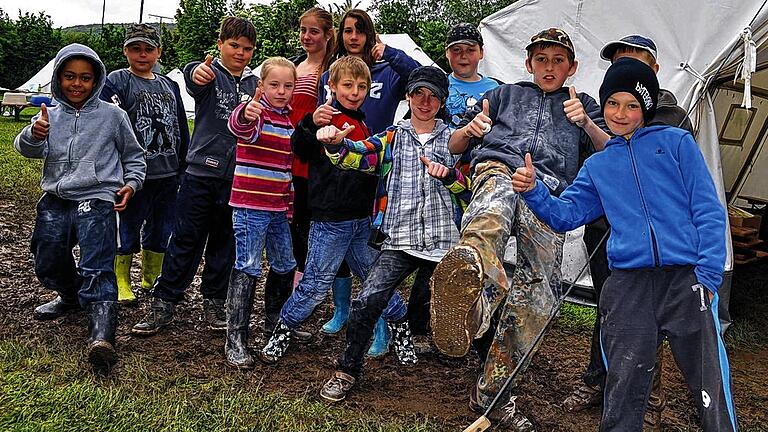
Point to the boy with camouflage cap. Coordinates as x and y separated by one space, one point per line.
469 285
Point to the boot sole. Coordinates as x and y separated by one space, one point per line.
50 316
332 399
239 366
102 355
266 360
156 330
456 283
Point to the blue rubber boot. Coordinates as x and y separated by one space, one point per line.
342 295
380 345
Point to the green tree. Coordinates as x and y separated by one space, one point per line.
277 27
26 45
108 44
197 24
169 42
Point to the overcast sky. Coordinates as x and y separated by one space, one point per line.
65 13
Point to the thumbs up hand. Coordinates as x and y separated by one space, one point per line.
435 169
574 110
332 135
481 124
253 109
41 126
324 114
524 178
377 52
203 73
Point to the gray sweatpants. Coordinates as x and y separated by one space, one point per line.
638 307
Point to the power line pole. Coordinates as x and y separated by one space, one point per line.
103 9
141 11
161 22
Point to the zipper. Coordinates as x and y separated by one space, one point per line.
656 260
538 125
69 150
424 184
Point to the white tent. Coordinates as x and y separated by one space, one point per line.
700 48
41 81
187 100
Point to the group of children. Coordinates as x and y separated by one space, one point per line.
304 162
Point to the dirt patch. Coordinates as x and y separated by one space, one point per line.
430 389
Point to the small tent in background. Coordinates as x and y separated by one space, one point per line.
189 103
701 49
41 81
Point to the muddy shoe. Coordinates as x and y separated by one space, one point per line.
277 344
55 308
160 315
336 388
215 314
584 397
505 418
403 344
456 285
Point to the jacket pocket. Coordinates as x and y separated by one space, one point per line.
63 177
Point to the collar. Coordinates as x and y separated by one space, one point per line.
282 111
354 114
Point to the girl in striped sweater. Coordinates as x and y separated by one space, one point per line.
262 197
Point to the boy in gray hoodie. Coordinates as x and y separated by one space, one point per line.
92 166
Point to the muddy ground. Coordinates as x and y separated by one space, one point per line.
430 389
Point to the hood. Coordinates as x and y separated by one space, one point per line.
77 50
666 98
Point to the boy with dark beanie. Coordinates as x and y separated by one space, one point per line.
665 251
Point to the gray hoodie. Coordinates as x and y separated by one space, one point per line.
89 153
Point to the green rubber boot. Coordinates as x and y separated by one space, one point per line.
151 265
123 274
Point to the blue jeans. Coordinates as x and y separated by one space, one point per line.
59 226
330 243
255 229
154 207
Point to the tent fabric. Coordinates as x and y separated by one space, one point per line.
187 100
41 81
699 45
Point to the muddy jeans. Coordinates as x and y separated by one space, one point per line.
494 212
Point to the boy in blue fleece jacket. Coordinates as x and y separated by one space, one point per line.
666 251
92 166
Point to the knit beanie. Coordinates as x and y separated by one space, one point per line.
635 77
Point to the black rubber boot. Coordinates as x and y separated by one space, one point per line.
239 305
102 324
214 313
277 289
160 315
55 308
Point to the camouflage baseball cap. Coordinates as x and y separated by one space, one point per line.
141 33
552 35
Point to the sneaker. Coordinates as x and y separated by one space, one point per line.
160 315
456 285
336 388
402 343
55 308
277 344
583 397
422 344
507 417
215 314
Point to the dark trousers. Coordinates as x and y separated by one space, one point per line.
387 273
203 223
147 222
300 223
598 268
419 302
59 226
639 307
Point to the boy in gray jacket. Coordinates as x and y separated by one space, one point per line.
92 166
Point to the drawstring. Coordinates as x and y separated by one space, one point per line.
747 67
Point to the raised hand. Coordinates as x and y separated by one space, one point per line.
481 124
124 194
41 126
253 109
324 114
377 52
203 73
435 169
524 178
332 135
574 110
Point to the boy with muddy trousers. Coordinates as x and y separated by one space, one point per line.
203 215
665 251
153 104
92 166
470 284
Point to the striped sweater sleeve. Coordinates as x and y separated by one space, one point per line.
244 130
368 155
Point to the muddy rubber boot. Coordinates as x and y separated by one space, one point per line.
102 324
160 315
55 308
215 314
380 345
125 294
277 290
239 305
151 266
403 343
342 296
277 344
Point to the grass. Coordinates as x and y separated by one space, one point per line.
48 388
19 176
